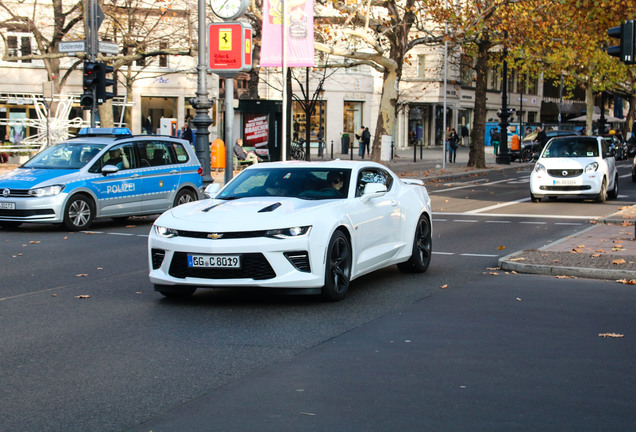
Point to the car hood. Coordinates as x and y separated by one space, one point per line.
567 163
26 178
247 213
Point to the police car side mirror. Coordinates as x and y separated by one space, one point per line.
109 169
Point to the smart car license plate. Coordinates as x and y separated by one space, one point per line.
214 261
565 182
7 206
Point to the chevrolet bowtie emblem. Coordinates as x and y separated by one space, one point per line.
215 236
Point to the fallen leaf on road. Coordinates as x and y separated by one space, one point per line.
83 296
565 277
596 255
81 275
131 226
577 250
502 247
444 286
518 299
517 259
619 261
627 282
611 335
34 242
494 274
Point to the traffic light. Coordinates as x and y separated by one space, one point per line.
103 82
87 99
624 51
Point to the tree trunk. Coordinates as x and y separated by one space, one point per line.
476 156
386 114
589 103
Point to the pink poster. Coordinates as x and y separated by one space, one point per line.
299 34
256 133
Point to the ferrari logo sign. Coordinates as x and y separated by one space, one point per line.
225 40
230 45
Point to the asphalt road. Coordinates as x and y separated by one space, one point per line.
87 344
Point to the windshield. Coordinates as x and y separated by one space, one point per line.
304 183
572 147
65 156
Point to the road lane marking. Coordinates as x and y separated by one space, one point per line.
498 205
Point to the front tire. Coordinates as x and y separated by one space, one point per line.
337 268
534 198
422 248
79 213
613 194
184 196
602 195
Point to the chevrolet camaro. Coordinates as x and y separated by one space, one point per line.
312 226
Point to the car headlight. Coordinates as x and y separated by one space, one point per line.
46 191
591 168
283 233
539 168
165 231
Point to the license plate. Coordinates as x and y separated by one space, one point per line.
7 205
565 182
214 261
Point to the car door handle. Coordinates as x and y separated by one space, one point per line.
134 175
394 203
174 171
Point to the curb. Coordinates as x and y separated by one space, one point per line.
506 263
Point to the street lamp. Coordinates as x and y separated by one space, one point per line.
201 103
503 157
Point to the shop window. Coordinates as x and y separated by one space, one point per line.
421 66
352 117
163 59
316 123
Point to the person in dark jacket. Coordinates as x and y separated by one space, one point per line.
453 143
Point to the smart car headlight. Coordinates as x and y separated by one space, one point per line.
165 232
539 168
590 168
284 233
46 191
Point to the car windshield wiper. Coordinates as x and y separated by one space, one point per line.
229 198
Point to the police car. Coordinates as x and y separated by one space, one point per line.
101 173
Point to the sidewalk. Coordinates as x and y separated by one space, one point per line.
605 250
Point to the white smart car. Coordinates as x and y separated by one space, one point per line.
581 166
294 225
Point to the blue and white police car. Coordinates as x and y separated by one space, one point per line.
101 173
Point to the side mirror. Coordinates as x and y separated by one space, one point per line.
211 190
109 169
373 190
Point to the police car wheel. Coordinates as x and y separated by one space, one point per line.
79 213
184 196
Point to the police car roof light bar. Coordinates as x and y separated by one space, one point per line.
116 131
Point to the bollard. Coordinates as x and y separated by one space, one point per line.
331 149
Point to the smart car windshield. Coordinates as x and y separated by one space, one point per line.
70 156
572 147
304 183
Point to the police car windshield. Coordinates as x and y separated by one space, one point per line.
70 156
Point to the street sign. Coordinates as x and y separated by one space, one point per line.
108 47
230 47
71 46
99 16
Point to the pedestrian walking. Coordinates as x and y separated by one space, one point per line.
453 143
366 142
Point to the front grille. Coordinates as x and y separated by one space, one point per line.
26 213
300 260
223 235
253 266
565 173
157 258
566 188
16 193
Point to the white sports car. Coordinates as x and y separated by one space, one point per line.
298 225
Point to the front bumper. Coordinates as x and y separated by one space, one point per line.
33 209
265 262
